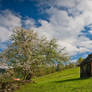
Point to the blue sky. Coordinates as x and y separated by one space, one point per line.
69 21
25 8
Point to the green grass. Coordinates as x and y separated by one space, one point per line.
65 81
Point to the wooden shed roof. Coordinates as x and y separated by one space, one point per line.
87 60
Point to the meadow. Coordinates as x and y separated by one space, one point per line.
64 81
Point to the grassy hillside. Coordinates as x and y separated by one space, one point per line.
65 81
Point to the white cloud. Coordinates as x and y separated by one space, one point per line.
90 31
4 34
8 21
67 24
66 3
29 23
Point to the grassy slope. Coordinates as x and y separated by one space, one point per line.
65 81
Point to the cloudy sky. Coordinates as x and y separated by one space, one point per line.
69 21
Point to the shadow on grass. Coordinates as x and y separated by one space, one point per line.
70 80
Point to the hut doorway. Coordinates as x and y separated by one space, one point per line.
91 68
86 70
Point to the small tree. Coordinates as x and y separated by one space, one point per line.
80 60
28 52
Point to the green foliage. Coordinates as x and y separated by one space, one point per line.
7 76
44 70
28 51
59 67
80 60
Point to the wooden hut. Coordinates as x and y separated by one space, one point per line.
86 67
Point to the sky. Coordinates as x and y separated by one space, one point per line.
69 21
